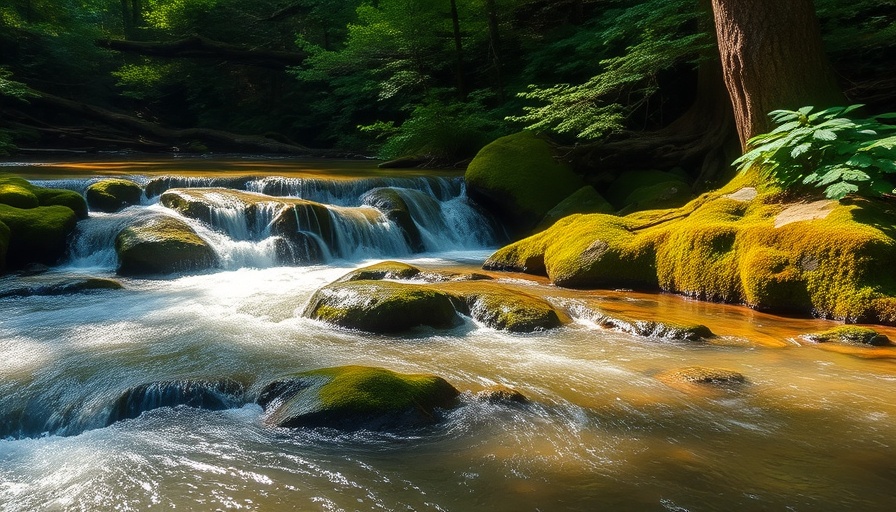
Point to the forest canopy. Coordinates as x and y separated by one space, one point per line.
436 79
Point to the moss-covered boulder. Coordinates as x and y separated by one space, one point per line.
656 328
392 204
162 245
355 397
20 193
850 334
383 270
17 196
112 195
519 180
37 235
584 200
832 259
642 190
382 306
501 307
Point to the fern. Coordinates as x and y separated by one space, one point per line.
826 149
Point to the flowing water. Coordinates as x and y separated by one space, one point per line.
813 430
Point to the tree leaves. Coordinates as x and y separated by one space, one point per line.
826 149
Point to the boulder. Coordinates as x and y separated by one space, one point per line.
20 193
584 200
656 328
384 270
649 187
112 195
22 288
394 207
519 180
827 258
62 197
17 196
162 245
36 235
850 334
214 395
355 397
501 394
702 376
504 308
382 306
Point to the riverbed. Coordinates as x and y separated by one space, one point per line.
813 428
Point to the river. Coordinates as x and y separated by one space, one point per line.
812 430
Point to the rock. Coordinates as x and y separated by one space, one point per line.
635 186
213 395
499 393
394 207
382 306
404 162
701 376
669 194
58 287
850 334
584 200
37 235
162 245
505 309
355 397
17 196
384 270
657 329
519 180
21 193
729 250
112 195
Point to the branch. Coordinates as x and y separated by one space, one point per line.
198 47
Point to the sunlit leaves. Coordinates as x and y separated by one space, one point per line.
828 150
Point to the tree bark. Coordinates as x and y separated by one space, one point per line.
495 47
458 52
200 47
772 58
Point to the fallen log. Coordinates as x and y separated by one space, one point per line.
198 47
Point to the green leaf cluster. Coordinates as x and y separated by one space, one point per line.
828 149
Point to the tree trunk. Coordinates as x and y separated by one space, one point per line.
772 58
495 47
458 52
197 47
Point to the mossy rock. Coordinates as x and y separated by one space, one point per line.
702 376
519 180
212 395
18 196
162 245
22 192
633 186
506 309
394 207
657 328
112 195
4 245
850 334
382 306
830 259
668 194
356 397
64 287
584 200
37 235
501 394
383 270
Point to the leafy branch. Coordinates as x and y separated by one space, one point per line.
826 149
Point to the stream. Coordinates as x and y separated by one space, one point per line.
812 430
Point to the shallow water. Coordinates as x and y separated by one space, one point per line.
813 429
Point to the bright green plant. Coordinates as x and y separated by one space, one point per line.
827 149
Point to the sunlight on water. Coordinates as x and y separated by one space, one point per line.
813 428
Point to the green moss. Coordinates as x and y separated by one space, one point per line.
500 307
62 197
519 179
584 200
634 186
37 235
17 196
383 270
382 306
668 194
850 334
162 245
111 195
656 328
355 397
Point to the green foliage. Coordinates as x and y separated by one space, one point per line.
657 36
826 149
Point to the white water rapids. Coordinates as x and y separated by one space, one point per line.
813 430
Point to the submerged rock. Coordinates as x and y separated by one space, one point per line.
162 245
850 334
111 195
717 248
519 180
702 376
501 394
212 395
61 287
355 397
657 328
394 207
